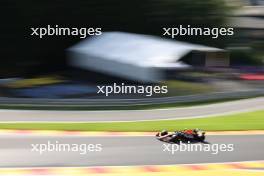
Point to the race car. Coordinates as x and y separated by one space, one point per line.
185 136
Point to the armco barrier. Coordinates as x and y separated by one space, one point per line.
129 102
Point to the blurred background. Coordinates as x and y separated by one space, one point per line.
42 68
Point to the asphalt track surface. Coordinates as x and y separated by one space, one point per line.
131 115
15 151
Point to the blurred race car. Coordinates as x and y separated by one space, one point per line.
185 136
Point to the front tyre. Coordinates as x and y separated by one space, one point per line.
202 138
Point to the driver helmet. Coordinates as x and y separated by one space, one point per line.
164 132
196 130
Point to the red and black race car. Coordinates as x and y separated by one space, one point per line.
185 136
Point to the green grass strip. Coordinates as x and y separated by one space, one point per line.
241 121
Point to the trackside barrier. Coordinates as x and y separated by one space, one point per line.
130 102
